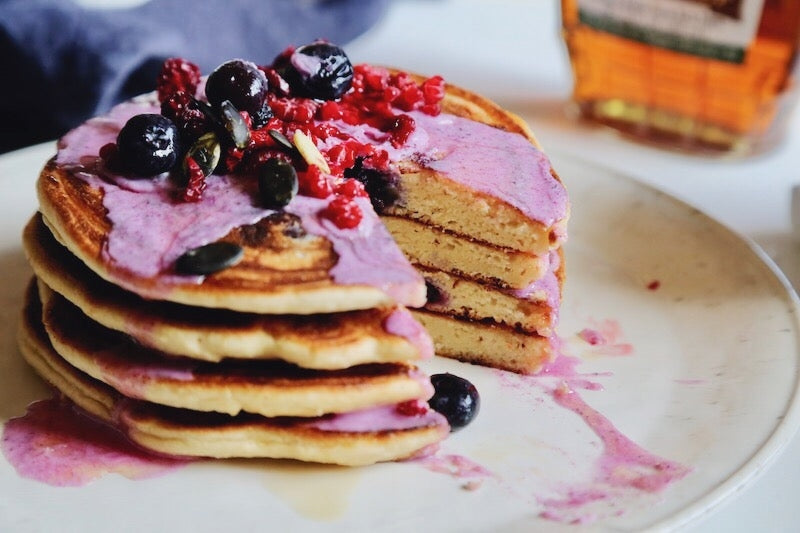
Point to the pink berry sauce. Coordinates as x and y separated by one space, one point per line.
55 444
622 467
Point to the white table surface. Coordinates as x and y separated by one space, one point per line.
511 51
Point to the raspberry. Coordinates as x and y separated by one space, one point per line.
293 109
177 74
233 157
351 188
409 97
277 85
315 183
401 130
329 110
261 138
324 130
433 90
196 182
185 112
376 79
412 408
339 157
343 212
255 157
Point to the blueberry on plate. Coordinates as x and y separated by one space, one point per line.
455 398
318 70
148 144
241 82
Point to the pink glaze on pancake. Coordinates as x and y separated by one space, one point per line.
384 418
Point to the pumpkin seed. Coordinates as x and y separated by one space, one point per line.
281 139
235 125
209 258
277 183
206 152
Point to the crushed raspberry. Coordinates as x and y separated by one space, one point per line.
654 285
177 74
293 109
315 183
261 138
339 158
412 408
233 157
185 112
351 188
324 130
409 98
343 212
277 85
255 157
433 90
329 110
401 130
196 183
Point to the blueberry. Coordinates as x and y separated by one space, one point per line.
209 258
241 82
455 398
318 70
277 183
382 187
148 144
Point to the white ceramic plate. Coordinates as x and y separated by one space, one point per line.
701 370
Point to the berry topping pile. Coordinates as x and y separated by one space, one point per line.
283 125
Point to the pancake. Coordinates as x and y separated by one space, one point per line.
360 438
268 388
330 341
486 344
285 269
442 250
534 310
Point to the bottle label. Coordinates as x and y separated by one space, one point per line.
718 29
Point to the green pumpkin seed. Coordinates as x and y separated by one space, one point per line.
206 152
235 125
277 183
281 139
209 258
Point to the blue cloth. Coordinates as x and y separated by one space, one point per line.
62 63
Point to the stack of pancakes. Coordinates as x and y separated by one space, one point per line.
305 348
272 357
494 268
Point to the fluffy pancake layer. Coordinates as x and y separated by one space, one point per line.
285 269
268 388
466 256
467 299
359 438
486 344
337 340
